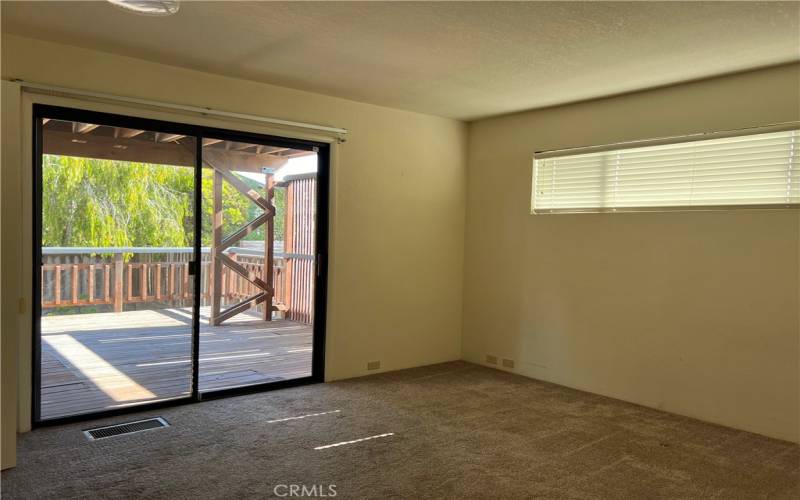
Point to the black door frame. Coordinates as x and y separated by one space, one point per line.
322 149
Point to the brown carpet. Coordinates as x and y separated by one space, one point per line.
460 431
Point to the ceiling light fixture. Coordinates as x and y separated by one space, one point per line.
148 7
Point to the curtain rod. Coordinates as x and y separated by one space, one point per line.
182 107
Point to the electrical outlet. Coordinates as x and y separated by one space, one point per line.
508 363
492 360
373 365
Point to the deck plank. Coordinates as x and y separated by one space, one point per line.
100 361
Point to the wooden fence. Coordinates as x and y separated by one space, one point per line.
301 200
115 278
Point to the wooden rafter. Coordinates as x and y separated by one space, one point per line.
126 144
83 128
297 154
241 161
162 137
57 142
127 133
89 145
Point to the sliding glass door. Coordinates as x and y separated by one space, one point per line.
117 290
258 275
172 261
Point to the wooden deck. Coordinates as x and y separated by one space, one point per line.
94 362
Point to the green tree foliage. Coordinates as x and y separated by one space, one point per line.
101 203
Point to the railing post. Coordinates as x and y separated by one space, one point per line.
158 281
106 275
74 276
288 247
119 264
91 283
57 286
269 244
232 280
216 261
143 275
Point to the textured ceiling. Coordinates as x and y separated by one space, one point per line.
460 60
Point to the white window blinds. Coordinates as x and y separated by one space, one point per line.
758 169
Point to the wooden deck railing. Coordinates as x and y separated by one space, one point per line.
114 277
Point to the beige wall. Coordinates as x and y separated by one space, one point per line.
10 148
398 193
694 313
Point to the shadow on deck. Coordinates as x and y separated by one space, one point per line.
95 362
